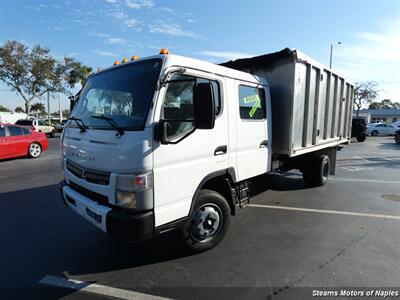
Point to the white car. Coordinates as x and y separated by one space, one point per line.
396 124
376 129
39 125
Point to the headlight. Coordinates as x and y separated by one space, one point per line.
135 191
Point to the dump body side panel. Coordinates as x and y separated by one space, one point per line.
311 104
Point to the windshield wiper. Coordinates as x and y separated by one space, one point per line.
79 123
110 121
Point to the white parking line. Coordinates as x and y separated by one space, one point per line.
362 180
325 211
96 288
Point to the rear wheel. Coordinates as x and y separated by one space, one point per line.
316 173
361 137
208 222
374 133
397 138
34 150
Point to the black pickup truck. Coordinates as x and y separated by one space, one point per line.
359 129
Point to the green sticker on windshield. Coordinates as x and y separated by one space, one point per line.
256 100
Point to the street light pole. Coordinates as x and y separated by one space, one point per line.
330 60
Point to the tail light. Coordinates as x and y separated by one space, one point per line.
33 128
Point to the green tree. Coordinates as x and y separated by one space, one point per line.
32 73
365 92
19 109
38 108
4 109
384 104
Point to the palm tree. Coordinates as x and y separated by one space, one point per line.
38 108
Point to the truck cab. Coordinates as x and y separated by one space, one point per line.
166 142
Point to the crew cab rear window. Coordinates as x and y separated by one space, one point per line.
2 132
251 103
26 131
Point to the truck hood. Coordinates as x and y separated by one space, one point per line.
103 150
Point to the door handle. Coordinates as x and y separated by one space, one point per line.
264 144
220 150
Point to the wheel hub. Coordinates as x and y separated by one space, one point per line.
206 222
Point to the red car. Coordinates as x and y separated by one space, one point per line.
21 141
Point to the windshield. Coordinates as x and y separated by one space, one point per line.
123 94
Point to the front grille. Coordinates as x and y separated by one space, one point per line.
101 199
93 176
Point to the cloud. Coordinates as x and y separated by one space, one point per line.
99 34
116 41
111 1
171 29
372 56
137 4
191 20
131 22
119 15
226 55
104 53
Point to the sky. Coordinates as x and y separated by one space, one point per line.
98 32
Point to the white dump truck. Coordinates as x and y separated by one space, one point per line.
168 142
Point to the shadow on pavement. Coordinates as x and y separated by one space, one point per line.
41 236
277 182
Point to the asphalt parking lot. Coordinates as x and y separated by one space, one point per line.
289 242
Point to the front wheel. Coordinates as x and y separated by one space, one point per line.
34 150
397 138
208 222
374 133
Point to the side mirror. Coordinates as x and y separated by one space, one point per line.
204 107
160 132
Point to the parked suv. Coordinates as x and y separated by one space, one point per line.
397 137
359 129
38 125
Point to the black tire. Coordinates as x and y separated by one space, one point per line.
207 223
34 150
397 138
361 137
317 171
52 134
374 133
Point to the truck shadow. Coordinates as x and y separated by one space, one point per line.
41 236
277 182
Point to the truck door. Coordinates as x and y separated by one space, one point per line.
193 154
251 128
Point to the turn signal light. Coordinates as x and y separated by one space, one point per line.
116 62
124 60
164 51
134 57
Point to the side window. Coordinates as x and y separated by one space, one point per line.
14 130
251 103
2 132
26 131
178 103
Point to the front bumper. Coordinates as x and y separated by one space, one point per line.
120 223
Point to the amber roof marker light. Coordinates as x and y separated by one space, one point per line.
116 63
134 57
124 60
164 51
